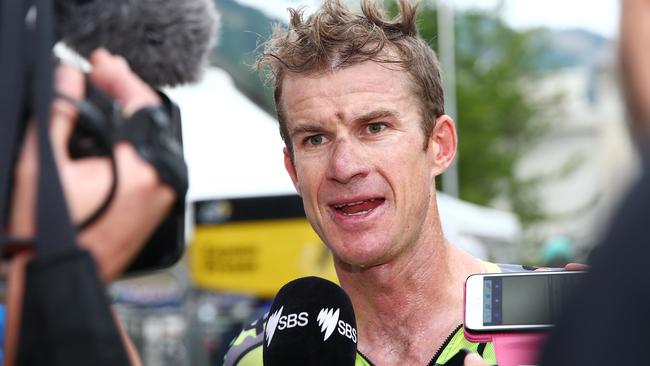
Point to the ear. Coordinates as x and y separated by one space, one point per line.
443 143
291 169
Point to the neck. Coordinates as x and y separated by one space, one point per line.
407 307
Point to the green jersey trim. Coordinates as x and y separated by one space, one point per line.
246 348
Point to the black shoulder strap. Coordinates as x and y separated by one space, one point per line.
55 231
12 96
66 318
27 81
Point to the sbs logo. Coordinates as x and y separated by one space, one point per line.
279 322
328 319
272 324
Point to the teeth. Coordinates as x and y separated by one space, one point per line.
356 214
354 203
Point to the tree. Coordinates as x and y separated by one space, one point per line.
242 28
498 119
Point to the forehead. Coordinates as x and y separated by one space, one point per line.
365 86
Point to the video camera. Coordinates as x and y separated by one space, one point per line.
155 132
166 43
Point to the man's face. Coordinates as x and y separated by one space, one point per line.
367 183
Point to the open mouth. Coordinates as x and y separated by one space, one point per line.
359 207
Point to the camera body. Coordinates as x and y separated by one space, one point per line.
157 137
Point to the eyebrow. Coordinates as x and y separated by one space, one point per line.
304 129
364 118
380 113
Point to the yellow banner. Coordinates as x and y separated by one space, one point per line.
257 257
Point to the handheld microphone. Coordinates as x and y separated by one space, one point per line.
311 322
166 42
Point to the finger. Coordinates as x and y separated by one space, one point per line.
576 267
23 197
113 75
474 359
545 269
70 83
139 192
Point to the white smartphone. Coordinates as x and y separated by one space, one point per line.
507 302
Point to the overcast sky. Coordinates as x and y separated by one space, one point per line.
600 16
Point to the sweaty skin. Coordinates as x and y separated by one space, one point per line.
366 173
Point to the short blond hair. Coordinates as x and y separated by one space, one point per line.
335 37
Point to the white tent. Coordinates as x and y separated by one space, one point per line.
232 147
234 150
482 231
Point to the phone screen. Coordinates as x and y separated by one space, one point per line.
534 300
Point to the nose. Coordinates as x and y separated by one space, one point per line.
348 162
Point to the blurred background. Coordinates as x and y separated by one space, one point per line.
544 156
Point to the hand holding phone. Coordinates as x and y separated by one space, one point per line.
516 302
513 310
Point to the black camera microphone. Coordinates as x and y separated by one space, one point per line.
311 322
166 42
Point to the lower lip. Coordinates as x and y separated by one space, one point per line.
356 218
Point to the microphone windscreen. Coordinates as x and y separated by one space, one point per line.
166 42
311 322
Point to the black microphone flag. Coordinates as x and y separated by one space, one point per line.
311 322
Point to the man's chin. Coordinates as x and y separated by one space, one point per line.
357 262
